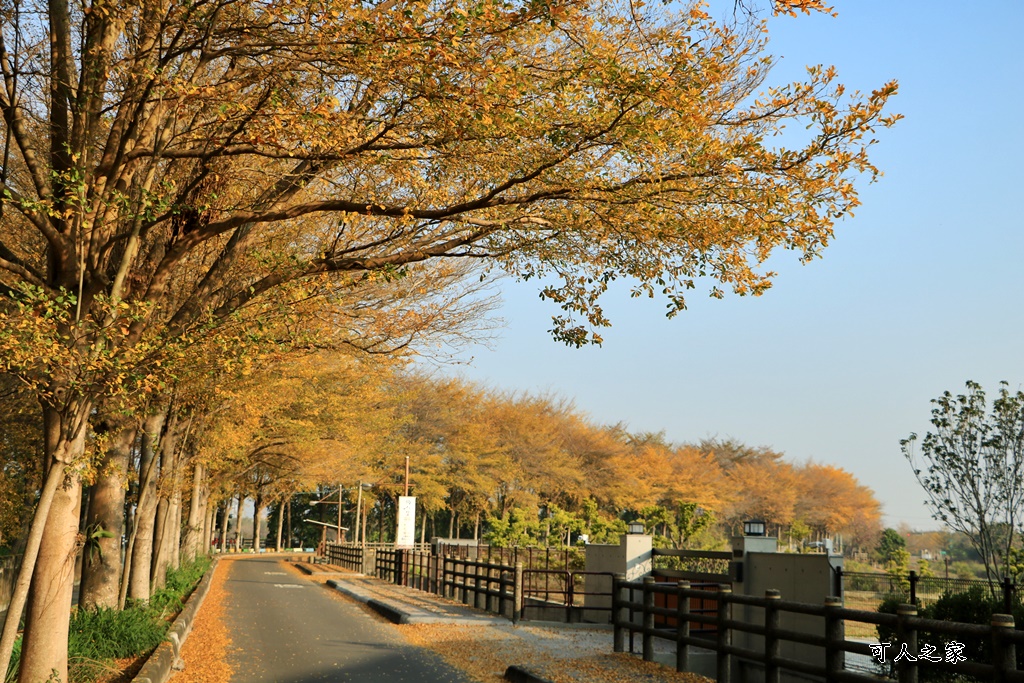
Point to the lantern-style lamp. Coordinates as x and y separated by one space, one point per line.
754 527
636 528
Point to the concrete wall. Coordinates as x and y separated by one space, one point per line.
632 557
800 578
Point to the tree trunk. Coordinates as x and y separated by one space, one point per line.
290 541
238 523
224 514
164 534
280 524
257 527
158 559
126 569
59 451
101 564
44 648
174 537
193 532
145 515
208 516
451 524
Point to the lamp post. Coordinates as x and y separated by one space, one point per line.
754 527
635 528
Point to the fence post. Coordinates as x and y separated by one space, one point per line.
724 661
619 632
834 637
570 595
517 594
771 638
489 600
913 587
1004 651
369 561
1007 595
480 599
682 625
648 619
907 669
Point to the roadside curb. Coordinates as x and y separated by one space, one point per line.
397 613
517 674
160 665
311 570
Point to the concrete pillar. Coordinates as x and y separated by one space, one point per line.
632 558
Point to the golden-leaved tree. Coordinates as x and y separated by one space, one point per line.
170 163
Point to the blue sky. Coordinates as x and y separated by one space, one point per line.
918 293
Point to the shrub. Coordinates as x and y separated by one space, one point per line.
975 606
179 585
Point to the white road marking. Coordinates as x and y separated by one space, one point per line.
287 585
276 573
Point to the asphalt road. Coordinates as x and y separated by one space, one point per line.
288 630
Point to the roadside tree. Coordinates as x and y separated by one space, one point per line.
972 470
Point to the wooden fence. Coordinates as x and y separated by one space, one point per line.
487 586
509 590
831 641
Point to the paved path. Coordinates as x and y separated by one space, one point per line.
288 630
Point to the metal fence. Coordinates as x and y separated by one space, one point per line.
913 587
830 642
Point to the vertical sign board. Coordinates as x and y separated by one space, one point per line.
406 534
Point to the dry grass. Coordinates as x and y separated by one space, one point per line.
856 629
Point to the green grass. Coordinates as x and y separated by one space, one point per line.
103 633
12 670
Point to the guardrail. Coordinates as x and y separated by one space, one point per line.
831 641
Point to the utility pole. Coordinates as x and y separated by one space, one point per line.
407 475
339 512
359 509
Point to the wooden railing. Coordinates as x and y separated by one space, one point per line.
348 556
490 587
830 641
